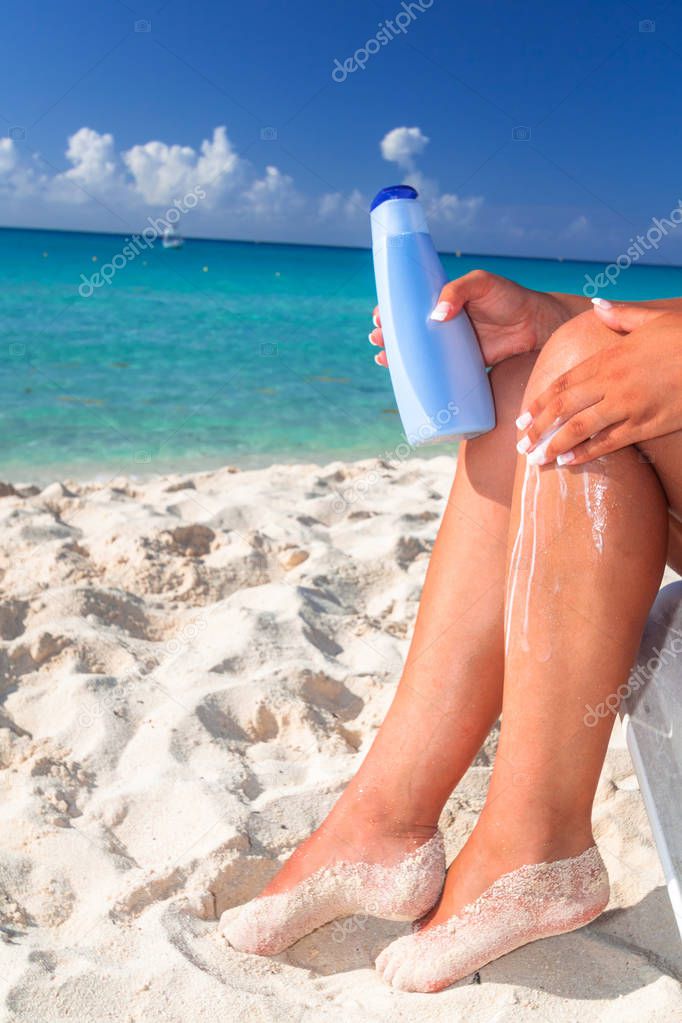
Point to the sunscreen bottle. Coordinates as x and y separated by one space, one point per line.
437 370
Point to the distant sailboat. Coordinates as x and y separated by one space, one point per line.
171 240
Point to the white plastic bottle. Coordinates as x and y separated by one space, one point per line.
437 370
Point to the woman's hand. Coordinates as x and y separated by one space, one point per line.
630 391
508 318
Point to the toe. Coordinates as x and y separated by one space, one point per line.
381 960
227 917
390 959
401 978
227 926
240 931
389 969
412 973
387 965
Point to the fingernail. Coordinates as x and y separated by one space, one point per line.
376 359
375 320
370 338
568 456
603 303
537 456
441 312
523 445
524 420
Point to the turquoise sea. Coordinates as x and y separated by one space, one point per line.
215 353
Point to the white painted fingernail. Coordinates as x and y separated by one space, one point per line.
538 456
603 303
566 458
370 338
375 321
523 445
442 310
524 420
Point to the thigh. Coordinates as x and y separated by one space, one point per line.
665 456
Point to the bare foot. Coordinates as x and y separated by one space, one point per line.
487 855
358 861
494 902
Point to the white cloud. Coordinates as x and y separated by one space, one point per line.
115 189
8 156
401 145
95 168
577 227
454 210
93 157
329 205
16 180
162 173
273 195
335 205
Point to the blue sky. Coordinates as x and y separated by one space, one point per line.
532 129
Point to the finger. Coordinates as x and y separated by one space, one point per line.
376 337
564 439
613 438
468 288
376 318
381 359
624 317
566 396
556 413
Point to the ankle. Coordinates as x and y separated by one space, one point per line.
533 839
374 824
371 807
367 819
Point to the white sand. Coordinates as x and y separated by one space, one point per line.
190 676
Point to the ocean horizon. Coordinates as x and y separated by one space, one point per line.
219 352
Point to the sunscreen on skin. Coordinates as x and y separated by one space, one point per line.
437 370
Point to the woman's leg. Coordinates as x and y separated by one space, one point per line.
587 551
450 692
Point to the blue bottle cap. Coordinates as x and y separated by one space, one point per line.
393 192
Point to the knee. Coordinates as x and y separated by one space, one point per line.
575 341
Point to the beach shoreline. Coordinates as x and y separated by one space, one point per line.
193 666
